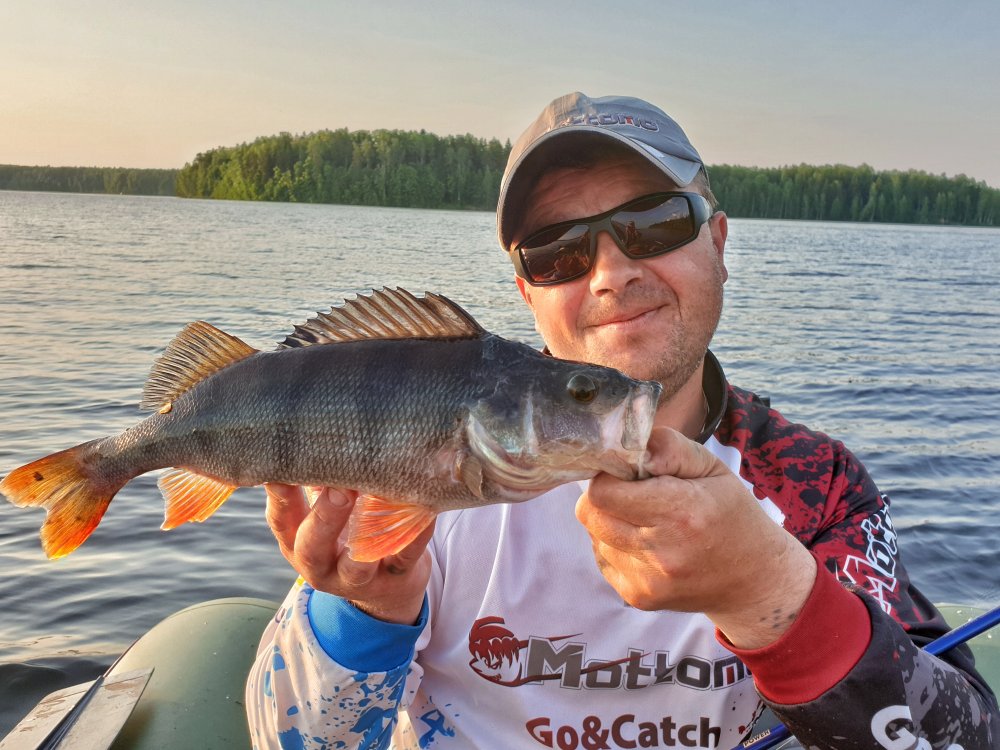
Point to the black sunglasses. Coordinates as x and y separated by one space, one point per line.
642 228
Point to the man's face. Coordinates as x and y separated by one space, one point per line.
652 319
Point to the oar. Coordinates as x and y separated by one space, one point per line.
62 719
779 732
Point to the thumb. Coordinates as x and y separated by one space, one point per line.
672 454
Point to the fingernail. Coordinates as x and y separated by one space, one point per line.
337 498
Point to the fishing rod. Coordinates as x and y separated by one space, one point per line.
779 732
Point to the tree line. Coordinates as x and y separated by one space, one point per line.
423 170
840 193
89 180
372 168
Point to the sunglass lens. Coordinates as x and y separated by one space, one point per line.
650 230
557 255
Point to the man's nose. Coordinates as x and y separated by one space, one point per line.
613 270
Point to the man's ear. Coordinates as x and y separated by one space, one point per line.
719 226
524 289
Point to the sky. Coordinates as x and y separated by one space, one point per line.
896 85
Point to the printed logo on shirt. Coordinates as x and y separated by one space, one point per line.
625 732
876 571
892 729
502 658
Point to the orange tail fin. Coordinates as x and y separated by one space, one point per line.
73 496
379 528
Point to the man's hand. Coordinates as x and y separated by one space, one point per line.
692 538
391 589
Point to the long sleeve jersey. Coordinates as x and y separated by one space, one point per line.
522 643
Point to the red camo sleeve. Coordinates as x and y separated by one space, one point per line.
824 643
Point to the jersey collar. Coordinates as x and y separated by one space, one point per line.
716 390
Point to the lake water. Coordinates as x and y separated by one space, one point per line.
885 336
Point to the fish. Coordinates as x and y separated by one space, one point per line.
404 398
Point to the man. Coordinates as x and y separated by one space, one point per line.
497 629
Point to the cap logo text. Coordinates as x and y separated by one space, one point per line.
618 118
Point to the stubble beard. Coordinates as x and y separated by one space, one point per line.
674 366
672 362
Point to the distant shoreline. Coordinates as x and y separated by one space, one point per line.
416 169
111 180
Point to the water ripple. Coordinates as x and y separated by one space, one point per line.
886 337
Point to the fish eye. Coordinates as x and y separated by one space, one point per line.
582 388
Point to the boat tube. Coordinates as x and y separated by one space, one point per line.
194 665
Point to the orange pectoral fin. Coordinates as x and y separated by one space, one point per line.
379 528
190 496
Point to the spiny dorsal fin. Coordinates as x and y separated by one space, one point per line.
196 352
386 314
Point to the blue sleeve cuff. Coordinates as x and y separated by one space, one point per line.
358 641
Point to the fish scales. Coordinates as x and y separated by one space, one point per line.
365 414
407 400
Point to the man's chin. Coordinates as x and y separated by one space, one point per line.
671 374
631 358
631 362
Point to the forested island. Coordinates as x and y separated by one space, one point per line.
422 170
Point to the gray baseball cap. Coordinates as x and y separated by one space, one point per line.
569 122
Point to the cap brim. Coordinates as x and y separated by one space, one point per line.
523 174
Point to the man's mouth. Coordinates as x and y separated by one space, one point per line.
625 319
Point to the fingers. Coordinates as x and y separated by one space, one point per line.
286 509
316 544
642 503
626 575
311 539
688 538
308 536
310 529
605 525
680 469
668 515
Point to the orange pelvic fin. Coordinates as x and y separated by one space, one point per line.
379 528
74 498
190 496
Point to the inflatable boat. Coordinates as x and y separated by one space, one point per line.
181 685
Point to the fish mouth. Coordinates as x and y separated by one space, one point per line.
626 432
640 415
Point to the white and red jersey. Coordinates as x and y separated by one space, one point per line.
523 644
